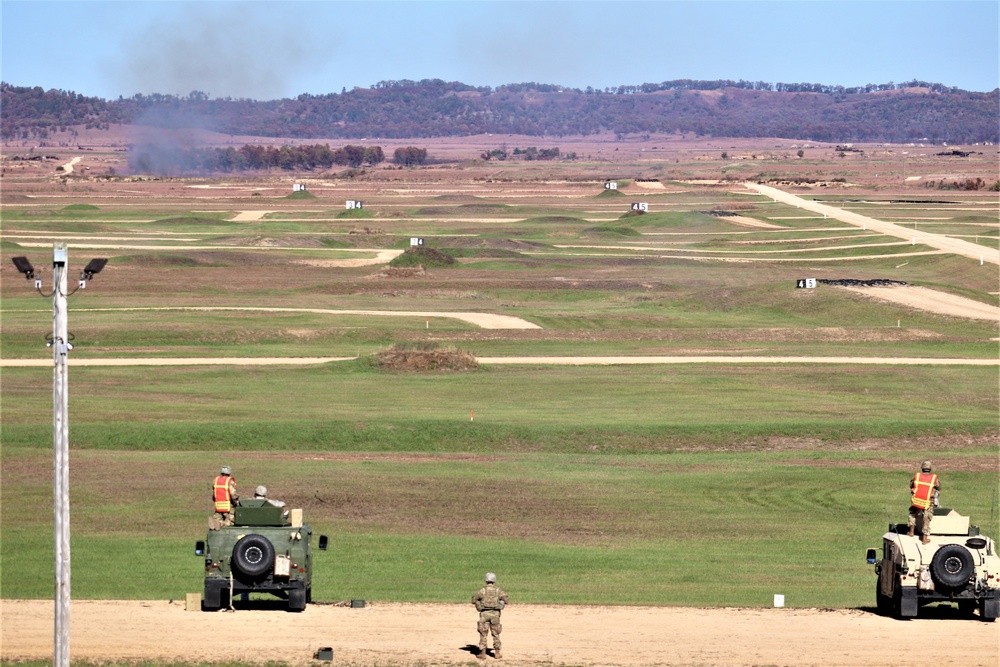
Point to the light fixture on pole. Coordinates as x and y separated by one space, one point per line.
59 341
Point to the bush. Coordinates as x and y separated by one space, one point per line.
423 357
421 256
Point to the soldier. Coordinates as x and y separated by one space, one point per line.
260 493
924 489
489 601
224 496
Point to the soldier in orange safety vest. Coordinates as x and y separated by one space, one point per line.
924 489
224 496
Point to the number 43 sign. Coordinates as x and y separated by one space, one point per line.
808 283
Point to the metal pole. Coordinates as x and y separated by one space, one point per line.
60 428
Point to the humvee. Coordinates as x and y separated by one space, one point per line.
264 551
958 565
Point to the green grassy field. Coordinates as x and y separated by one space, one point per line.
677 528
655 485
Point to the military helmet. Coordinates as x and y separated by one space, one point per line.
261 491
491 578
226 470
925 466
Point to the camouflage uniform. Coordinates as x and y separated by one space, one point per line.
924 515
489 600
226 518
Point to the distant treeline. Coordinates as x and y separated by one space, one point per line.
171 160
912 111
681 84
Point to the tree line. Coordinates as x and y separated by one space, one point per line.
530 153
914 111
167 160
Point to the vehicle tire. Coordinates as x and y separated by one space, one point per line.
309 595
952 566
296 599
989 608
967 607
883 603
253 556
210 602
896 602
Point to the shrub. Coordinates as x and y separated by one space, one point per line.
423 357
422 256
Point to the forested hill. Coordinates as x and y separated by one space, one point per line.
898 113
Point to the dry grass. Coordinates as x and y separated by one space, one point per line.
404 358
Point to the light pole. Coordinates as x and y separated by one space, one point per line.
60 343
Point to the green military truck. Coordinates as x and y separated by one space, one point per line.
266 550
957 565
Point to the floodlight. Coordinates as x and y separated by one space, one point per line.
24 266
94 266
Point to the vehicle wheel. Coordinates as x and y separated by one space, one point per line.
897 601
210 603
215 598
296 599
883 603
253 555
989 608
952 566
309 595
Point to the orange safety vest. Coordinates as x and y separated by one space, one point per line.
223 501
923 489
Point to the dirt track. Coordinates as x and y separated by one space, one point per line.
441 634
484 320
921 298
946 243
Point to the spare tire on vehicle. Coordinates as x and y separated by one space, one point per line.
952 566
253 555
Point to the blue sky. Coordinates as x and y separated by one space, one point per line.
267 50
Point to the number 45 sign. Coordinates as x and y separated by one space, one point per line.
808 283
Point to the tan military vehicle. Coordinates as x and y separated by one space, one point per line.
958 565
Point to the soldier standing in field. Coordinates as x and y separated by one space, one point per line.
224 496
924 489
490 601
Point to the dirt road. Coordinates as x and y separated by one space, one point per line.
945 243
930 300
442 634
68 167
378 256
249 216
483 320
